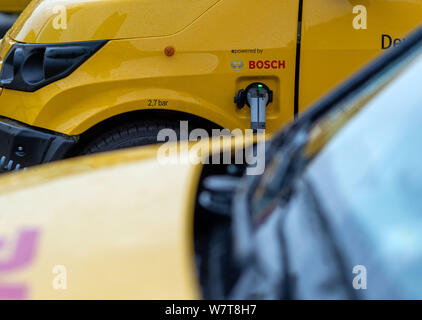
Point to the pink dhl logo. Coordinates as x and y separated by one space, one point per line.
21 257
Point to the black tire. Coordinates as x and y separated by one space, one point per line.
140 133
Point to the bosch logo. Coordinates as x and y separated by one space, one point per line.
267 64
237 64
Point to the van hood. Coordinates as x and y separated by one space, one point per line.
60 21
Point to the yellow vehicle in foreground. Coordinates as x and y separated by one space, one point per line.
123 225
84 76
9 12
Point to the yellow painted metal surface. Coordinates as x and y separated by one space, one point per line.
120 232
120 223
333 49
129 74
132 72
13 5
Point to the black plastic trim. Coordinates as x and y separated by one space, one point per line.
298 55
29 67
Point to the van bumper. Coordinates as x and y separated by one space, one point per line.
23 146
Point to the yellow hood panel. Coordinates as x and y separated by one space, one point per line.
116 228
57 21
13 5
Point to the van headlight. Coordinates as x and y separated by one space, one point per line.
29 67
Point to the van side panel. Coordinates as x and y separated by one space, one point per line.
229 47
337 40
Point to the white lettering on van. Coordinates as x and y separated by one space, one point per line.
360 22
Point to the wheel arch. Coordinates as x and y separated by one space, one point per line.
139 115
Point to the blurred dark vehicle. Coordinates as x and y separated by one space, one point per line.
338 211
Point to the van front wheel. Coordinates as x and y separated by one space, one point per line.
141 133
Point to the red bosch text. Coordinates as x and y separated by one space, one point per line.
267 64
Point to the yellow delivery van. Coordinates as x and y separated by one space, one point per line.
83 76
